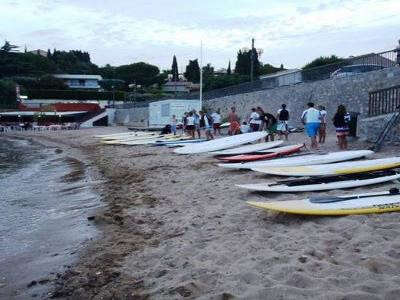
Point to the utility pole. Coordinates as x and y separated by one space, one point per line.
201 75
252 60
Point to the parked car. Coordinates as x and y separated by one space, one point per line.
355 69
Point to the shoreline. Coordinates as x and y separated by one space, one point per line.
177 227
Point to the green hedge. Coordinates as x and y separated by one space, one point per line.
8 97
75 95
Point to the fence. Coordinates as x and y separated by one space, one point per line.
344 68
384 101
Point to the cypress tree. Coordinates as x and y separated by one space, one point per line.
174 70
229 71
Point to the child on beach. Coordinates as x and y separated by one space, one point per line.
254 120
270 126
283 118
216 116
244 128
190 127
234 127
173 124
322 128
341 121
206 124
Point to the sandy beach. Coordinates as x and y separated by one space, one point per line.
176 226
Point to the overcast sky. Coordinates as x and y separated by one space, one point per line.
119 32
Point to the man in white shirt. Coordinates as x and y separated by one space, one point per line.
254 120
216 117
311 118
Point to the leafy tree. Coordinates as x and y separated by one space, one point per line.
229 71
107 72
174 69
269 69
141 73
208 71
243 63
193 71
222 81
8 96
7 47
49 82
113 84
322 67
322 61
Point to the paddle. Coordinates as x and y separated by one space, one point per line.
329 199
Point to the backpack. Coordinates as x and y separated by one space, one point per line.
283 115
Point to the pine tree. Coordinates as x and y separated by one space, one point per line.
174 70
229 71
243 63
48 53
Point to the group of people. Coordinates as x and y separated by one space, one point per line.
260 120
193 122
314 119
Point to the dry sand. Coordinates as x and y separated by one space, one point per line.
177 227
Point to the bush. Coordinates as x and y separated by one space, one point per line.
75 95
8 96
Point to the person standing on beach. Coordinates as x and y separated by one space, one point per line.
173 124
233 119
283 118
197 123
216 117
341 121
184 122
270 126
261 112
205 124
190 127
311 118
254 120
322 127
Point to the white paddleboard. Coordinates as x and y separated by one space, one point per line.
285 188
303 160
248 148
342 168
117 135
222 143
374 203
278 149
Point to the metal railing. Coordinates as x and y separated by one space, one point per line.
383 101
364 63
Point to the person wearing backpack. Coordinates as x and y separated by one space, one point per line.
283 118
206 125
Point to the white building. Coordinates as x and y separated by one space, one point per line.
161 112
80 81
286 77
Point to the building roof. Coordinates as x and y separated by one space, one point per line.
280 73
77 76
176 83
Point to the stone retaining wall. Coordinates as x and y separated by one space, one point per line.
351 91
370 128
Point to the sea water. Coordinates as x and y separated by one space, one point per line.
45 198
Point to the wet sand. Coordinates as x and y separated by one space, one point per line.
177 227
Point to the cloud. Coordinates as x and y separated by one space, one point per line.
153 31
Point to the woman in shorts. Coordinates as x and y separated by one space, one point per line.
341 121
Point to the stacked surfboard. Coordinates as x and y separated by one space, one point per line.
316 172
